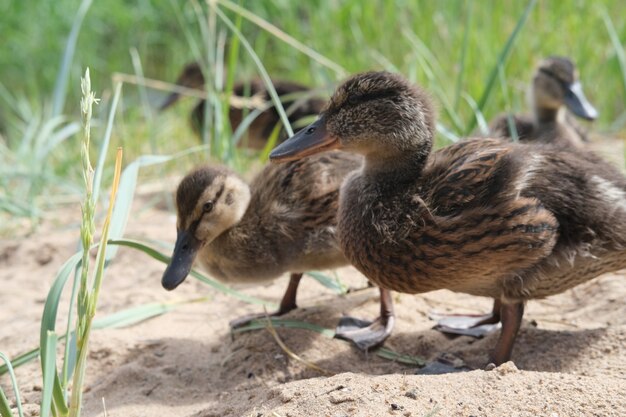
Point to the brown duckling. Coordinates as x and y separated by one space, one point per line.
262 127
284 221
484 217
555 87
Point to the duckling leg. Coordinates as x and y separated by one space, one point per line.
471 325
367 335
511 321
287 304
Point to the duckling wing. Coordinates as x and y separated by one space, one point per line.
303 194
469 174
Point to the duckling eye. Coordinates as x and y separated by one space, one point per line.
353 100
207 207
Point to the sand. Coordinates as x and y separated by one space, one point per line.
569 360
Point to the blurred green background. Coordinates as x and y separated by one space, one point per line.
450 47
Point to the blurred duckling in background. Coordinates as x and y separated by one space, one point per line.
555 87
284 221
484 217
261 128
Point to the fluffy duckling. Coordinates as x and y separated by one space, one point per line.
555 86
484 217
284 221
262 127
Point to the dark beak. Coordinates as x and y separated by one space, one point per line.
311 140
184 254
169 100
576 101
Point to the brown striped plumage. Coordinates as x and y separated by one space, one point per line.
483 216
551 123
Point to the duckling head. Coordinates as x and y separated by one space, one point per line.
191 77
378 114
209 201
556 84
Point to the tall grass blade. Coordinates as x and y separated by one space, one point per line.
104 147
507 108
264 75
189 37
466 35
269 145
48 323
446 133
5 408
49 374
483 126
139 314
273 30
60 86
502 58
125 196
143 93
617 45
20 360
233 55
433 71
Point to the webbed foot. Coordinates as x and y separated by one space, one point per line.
367 335
470 325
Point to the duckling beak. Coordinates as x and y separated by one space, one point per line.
169 100
185 251
311 140
576 101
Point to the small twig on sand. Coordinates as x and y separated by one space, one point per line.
289 352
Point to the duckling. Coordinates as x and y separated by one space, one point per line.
555 85
262 127
484 217
284 221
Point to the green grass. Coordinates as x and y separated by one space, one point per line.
476 58
452 48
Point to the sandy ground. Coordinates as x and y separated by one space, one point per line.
569 360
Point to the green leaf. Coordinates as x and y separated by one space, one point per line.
166 259
483 126
502 58
285 324
5 408
617 45
48 324
138 314
60 86
125 196
382 352
328 282
49 373
104 147
264 75
273 30
120 319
